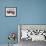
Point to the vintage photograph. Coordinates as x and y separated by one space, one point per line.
10 11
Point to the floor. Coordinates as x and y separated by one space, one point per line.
7 45
30 43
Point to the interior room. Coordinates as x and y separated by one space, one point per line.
17 12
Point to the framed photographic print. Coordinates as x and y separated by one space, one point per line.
33 32
10 11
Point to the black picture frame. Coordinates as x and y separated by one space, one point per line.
15 11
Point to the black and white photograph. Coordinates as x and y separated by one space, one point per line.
10 11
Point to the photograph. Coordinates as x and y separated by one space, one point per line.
10 11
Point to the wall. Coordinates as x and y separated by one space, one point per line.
28 12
